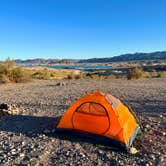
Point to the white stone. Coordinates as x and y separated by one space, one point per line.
133 150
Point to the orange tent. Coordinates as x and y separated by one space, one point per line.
102 115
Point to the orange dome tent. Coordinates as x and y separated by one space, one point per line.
102 115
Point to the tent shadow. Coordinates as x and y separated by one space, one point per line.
28 125
33 126
85 139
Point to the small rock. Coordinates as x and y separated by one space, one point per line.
147 126
77 146
67 153
164 133
133 150
23 143
109 155
153 157
100 151
82 154
60 84
4 106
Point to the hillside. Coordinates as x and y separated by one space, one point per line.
120 58
129 57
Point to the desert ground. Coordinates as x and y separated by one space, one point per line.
24 136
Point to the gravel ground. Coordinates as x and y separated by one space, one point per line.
39 104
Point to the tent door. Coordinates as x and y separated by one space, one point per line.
92 118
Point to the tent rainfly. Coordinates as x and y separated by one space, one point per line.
103 116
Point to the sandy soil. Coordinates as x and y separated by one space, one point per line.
23 142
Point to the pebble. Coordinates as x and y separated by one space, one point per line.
22 154
153 157
77 146
133 150
100 151
23 143
147 126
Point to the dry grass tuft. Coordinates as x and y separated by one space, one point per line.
136 73
162 74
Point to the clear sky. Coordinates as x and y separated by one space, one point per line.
80 28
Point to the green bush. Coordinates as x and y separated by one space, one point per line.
136 73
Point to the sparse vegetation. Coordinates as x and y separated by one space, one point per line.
9 72
154 73
162 74
136 73
74 75
41 75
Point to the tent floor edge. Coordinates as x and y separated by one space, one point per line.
95 139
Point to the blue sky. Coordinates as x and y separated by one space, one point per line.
80 28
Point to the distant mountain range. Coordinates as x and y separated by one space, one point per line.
129 57
121 58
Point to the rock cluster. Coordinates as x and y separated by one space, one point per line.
6 109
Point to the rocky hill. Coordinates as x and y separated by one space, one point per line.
129 57
120 58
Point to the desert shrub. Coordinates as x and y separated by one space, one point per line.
4 79
69 76
153 73
74 76
52 75
9 63
9 72
95 76
162 74
112 76
135 73
88 74
41 75
17 75
77 76
4 69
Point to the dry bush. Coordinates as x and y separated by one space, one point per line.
77 76
152 74
41 75
18 75
9 63
162 74
69 76
10 73
136 73
4 79
74 76
113 76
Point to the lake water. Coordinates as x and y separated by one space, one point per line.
80 67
